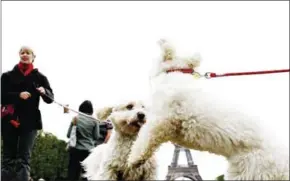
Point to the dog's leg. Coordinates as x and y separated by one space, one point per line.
109 175
93 162
150 137
151 173
150 176
147 171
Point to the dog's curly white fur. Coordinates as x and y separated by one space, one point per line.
92 164
108 161
188 116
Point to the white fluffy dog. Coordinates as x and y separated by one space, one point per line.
108 161
188 116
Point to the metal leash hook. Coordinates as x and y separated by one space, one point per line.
196 75
209 75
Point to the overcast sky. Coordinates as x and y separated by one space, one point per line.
103 51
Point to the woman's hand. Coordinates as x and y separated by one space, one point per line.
25 95
41 90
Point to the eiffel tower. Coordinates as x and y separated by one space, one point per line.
176 171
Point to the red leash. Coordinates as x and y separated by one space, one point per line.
214 75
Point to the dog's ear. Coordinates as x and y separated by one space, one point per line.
104 113
168 52
193 61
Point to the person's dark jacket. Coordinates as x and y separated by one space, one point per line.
27 111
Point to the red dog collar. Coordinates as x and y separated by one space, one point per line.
183 70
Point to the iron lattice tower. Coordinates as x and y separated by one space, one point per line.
189 171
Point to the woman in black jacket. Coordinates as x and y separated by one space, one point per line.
21 89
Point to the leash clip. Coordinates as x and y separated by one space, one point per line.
196 75
207 75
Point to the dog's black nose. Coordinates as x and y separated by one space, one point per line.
140 116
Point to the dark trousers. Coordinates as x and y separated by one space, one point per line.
75 170
17 148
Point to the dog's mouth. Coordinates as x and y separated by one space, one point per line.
137 123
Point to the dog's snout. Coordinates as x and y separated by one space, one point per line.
140 116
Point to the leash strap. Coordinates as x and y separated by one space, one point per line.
66 107
209 75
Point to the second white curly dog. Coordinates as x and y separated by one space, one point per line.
108 161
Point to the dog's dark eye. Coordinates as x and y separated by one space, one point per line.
129 107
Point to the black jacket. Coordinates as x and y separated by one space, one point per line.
27 111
